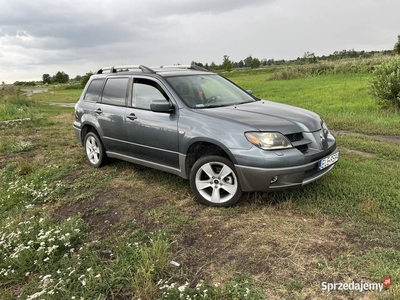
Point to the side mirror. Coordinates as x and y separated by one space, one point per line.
250 92
161 106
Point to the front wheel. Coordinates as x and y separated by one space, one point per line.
214 182
94 150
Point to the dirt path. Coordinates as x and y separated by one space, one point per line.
382 138
31 91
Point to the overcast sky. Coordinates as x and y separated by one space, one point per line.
46 36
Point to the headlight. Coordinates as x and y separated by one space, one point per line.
268 140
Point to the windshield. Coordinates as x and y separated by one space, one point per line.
202 91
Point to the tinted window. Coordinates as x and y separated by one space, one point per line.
93 91
145 91
115 91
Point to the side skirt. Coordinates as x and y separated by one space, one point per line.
180 172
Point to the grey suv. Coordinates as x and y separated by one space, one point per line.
202 127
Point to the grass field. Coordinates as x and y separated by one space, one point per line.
68 230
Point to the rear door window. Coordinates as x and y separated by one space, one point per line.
115 91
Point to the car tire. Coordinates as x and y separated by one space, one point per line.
214 181
94 149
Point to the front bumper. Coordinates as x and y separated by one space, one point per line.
259 179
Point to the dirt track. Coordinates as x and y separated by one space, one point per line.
31 91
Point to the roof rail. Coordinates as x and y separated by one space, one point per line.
116 69
194 67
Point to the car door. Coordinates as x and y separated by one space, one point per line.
110 113
151 136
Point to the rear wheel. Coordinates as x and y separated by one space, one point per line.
94 150
214 182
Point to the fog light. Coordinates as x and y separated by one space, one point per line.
274 179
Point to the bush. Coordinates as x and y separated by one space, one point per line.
10 93
385 84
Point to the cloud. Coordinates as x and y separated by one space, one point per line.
76 36
91 23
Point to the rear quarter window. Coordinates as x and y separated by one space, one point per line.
93 91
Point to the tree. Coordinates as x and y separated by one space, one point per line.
86 78
309 57
255 63
397 46
264 62
213 66
241 64
247 61
46 78
352 53
60 77
226 63
77 78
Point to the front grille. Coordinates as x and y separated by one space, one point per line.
294 137
298 141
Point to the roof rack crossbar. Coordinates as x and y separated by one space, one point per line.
198 68
103 69
146 69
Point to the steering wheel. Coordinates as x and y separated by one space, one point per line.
213 98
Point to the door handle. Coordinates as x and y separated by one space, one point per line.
131 117
98 111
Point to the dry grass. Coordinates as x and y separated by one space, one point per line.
287 251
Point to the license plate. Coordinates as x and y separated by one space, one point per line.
327 161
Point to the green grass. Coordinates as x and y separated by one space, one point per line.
15 105
68 230
389 151
58 96
358 189
341 100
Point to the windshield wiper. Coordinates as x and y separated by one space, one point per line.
218 105
244 102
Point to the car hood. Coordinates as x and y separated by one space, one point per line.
269 116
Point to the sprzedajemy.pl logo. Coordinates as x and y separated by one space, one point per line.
356 286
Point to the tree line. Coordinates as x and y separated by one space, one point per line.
227 64
251 62
59 78
308 57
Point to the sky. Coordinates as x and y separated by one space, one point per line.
46 36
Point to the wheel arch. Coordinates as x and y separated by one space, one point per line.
200 148
88 128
